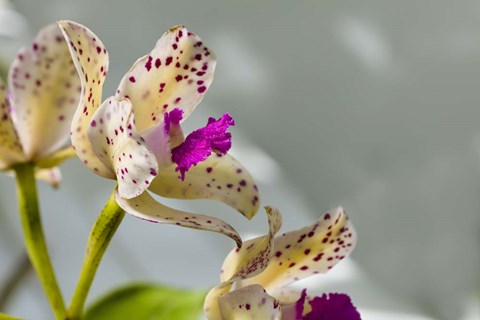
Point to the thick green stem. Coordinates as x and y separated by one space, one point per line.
34 238
100 236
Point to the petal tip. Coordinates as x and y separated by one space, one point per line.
176 27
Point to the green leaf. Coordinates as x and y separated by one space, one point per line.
148 302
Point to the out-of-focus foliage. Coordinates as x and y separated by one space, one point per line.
148 302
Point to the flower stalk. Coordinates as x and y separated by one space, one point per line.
34 238
98 241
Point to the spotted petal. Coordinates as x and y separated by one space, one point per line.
307 251
44 90
247 261
91 61
113 138
221 178
249 303
253 257
175 74
10 149
147 208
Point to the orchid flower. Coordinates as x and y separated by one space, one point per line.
36 111
35 117
135 137
260 271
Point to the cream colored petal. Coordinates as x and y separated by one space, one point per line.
57 158
112 136
220 178
211 307
253 257
147 208
91 61
44 92
243 262
175 74
52 176
308 251
10 149
249 303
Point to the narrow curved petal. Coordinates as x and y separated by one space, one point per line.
249 303
91 61
220 178
10 149
253 257
147 208
307 251
243 262
175 74
57 158
114 142
52 176
44 92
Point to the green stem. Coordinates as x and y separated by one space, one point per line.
34 238
100 236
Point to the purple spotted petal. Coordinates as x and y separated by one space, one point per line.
334 306
202 142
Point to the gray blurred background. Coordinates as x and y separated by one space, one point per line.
373 105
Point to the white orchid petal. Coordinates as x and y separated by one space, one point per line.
91 61
10 149
211 307
52 176
249 303
220 178
308 251
175 74
113 138
255 254
44 93
147 208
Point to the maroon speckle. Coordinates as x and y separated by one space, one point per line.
201 89
168 61
148 65
132 79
